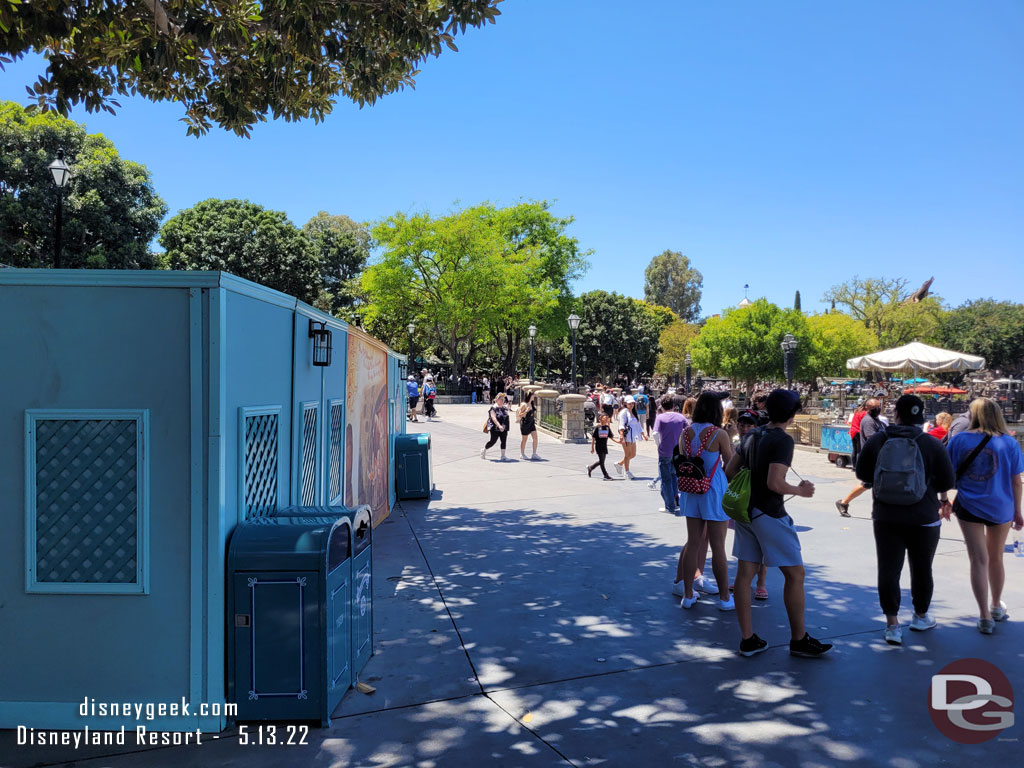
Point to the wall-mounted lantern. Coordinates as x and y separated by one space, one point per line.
321 343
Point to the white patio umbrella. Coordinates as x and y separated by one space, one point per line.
916 357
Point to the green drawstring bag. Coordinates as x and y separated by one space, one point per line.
736 499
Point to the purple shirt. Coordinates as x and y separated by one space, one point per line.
670 426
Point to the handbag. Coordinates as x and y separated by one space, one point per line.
690 474
736 499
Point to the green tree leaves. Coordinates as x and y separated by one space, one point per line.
835 338
232 62
887 310
992 329
247 240
670 281
111 211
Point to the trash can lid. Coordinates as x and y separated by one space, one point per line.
285 543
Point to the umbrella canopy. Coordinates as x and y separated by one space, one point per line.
934 391
916 357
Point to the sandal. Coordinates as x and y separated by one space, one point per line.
761 593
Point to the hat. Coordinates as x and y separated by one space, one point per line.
782 405
628 400
910 409
411 377
748 416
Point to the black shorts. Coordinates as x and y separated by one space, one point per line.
609 409
967 517
413 401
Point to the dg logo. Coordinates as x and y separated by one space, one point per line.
971 701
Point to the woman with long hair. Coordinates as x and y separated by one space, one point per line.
497 425
527 416
988 464
706 442
630 433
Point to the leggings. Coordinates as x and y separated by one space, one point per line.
428 406
918 543
599 463
497 435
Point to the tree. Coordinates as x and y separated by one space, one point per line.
617 331
888 309
542 261
744 343
674 343
111 212
992 329
446 274
670 281
796 302
231 62
245 239
833 339
342 247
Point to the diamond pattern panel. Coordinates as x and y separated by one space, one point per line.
335 451
260 465
309 457
86 493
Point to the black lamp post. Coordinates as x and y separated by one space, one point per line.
636 371
788 352
584 358
411 328
533 334
677 375
689 370
61 176
574 323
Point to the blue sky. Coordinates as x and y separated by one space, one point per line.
788 145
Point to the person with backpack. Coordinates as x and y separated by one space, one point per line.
497 425
642 404
770 537
704 450
989 464
629 435
429 395
526 415
909 473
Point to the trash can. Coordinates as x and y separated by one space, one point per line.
289 617
361 593
413 466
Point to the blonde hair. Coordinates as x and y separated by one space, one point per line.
943 419
688 406
987 416
729 417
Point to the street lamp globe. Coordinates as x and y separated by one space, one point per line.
59 170
411 328
574 321
533 331
688 360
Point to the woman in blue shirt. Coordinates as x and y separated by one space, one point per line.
988 463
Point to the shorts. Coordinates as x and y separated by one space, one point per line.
769 540
609 409
413 401
967 517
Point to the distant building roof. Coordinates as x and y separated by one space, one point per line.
744 302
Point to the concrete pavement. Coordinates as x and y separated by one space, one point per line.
524 618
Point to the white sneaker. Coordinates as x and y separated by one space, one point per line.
483 453
702 584
689 602
535 457
522 457
894 635
662 509
999 612
922 623
727 605
619 470
630 475
679 588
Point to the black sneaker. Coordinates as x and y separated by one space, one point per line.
808 648
752 646
844 509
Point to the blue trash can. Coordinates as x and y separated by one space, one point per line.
289 617
361 593
413 466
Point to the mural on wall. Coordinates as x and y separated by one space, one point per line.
366 456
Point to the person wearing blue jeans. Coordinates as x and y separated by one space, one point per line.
668 426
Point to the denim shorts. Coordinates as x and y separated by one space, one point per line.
769 540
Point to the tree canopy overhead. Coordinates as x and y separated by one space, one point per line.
111 211
992 329
890 309
670 281
231 62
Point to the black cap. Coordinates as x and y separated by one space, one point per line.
782 405
910 409
748 416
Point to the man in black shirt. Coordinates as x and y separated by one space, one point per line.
770 537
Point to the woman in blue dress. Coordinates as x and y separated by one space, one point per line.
704 438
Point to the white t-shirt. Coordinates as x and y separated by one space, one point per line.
607 399
629 423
